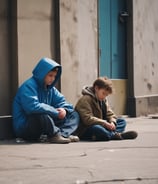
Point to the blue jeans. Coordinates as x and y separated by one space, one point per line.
99 133
39 124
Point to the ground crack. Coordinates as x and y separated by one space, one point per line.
116 180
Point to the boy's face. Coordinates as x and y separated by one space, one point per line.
50 77
101 93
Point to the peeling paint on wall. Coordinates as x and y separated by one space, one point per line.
145 47
79 46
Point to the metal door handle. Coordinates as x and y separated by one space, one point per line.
123 16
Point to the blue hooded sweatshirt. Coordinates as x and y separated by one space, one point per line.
32 96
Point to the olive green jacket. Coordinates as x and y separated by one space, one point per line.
90 111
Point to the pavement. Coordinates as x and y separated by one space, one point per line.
120 162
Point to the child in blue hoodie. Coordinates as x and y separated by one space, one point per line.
40 109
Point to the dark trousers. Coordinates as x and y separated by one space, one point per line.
99 133
39 124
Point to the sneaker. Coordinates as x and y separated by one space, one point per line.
129 135
125 135
74 138
58 139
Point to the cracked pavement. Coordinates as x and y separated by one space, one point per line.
123 162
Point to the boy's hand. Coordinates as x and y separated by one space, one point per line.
109 126
62 113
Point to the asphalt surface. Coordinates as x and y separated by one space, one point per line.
123 162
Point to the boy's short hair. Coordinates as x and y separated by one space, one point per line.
104 83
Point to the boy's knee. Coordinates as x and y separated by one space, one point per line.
121 121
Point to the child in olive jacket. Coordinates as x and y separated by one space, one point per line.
98 121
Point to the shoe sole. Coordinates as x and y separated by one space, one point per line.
58 142
129 135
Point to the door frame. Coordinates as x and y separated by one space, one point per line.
131 104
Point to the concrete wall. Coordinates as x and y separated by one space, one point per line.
36 37
79 46
145 44
35 30
118 100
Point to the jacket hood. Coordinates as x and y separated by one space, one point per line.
88 91
44 66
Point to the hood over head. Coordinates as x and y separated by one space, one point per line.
42 68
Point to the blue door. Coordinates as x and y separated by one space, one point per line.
112 38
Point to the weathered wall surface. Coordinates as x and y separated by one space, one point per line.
79 46
145 47
145 35
35 30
